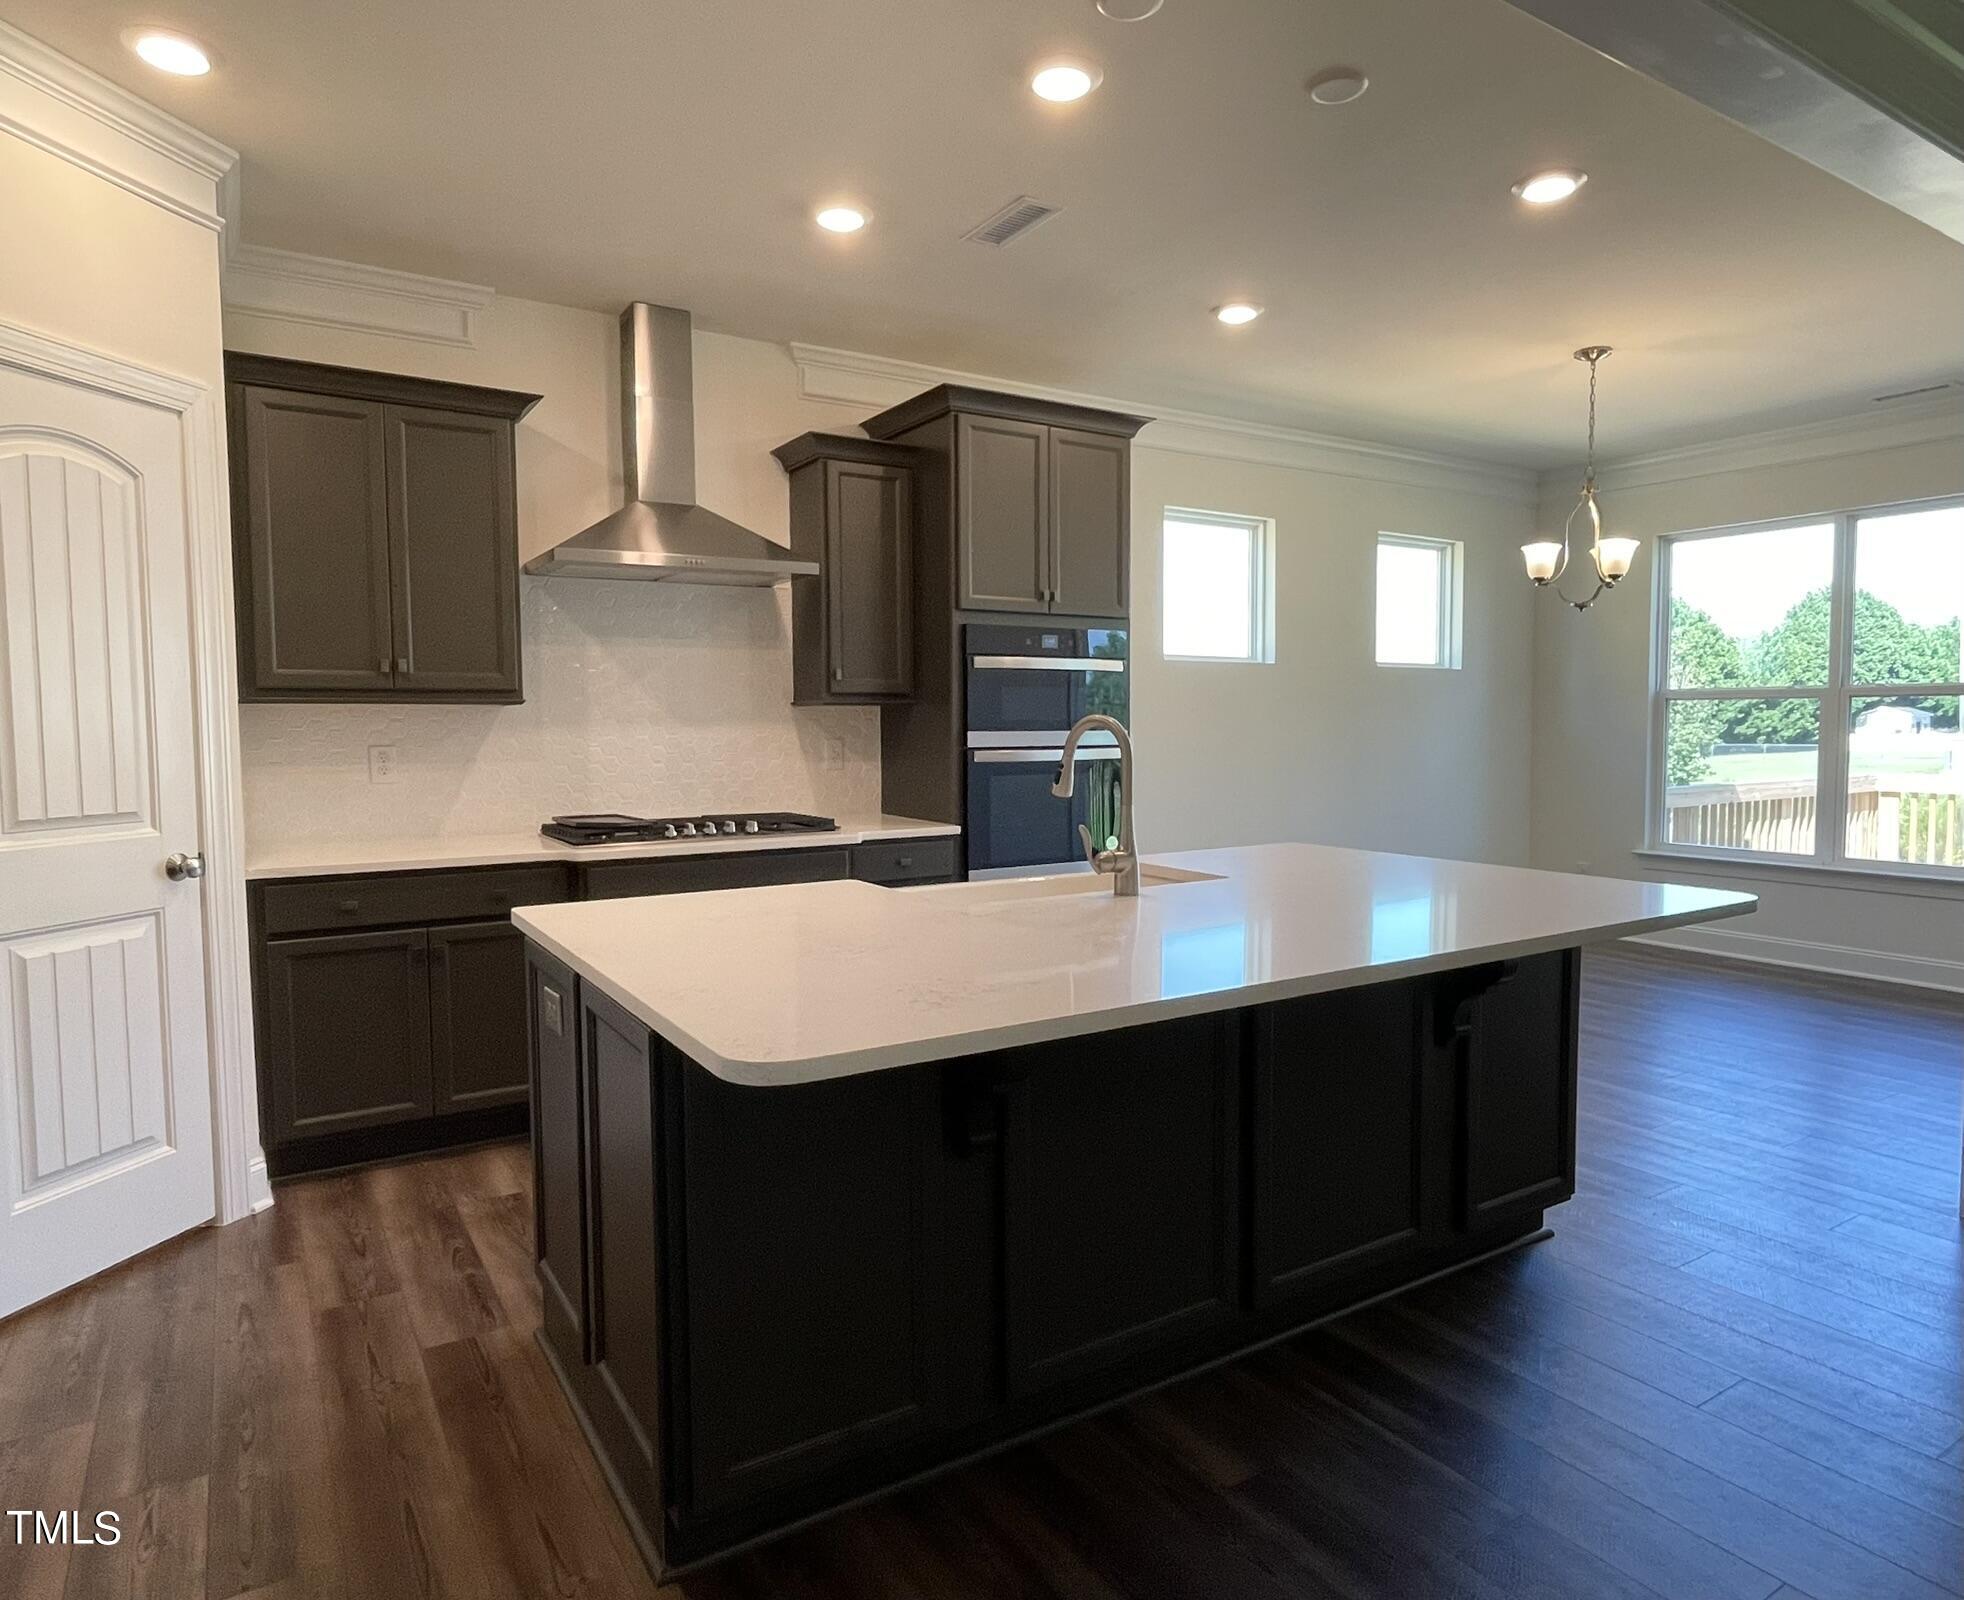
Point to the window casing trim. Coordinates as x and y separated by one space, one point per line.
1836 696
1452 589
1261 584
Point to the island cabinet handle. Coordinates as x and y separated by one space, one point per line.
347 907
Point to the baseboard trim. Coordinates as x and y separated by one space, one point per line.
259 1185
1845 961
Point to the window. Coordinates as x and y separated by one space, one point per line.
1417 601
1810 675
1217 576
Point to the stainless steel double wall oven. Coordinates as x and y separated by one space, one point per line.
1025 687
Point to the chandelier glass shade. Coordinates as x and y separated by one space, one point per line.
1547 559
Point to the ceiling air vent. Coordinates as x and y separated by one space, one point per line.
1911 394
1012 221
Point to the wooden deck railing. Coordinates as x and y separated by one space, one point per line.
1918 820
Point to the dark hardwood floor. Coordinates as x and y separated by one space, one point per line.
1736 1371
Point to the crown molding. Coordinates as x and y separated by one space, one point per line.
1912 422
319 291
62 107
853 378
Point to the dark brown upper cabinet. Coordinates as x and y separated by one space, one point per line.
1032 497
852 511
375 533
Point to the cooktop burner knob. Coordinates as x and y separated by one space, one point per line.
750 826
668 830
729 827
688 830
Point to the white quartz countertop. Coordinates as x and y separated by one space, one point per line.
792 984
322 858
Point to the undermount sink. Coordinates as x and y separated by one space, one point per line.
1151 876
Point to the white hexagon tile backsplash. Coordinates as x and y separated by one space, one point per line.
654 698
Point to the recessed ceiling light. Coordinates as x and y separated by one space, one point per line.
841 219
1129 10
1545 188
1337 87
169 52
1237 312
1064 80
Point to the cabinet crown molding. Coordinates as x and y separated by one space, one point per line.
388 388
809 447
946 397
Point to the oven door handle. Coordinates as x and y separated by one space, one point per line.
1046 664
1085 752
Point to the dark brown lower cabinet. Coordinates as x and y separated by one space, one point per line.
1519 1120
391 1007
1343 1180
477 1015
810 1323
348 1025
766 1302
624 1324
558 1147
1119 1208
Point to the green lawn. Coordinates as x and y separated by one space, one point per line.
1778 764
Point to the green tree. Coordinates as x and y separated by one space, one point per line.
1703 656
1889 648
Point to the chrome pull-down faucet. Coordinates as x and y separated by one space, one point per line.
1120 865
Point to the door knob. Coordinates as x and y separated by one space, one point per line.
178 866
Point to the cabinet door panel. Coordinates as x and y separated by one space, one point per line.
316 541
453 551
477 1015
1340 1146
812 1217
1519 1060
869 579
625 1333
348 1028
558 1142
1002 476
1090 519
1119 1195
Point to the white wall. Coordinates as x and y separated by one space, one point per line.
91 263
655 700
1592 691
1323 744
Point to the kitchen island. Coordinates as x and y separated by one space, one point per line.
838 1185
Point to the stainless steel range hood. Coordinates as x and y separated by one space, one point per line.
661 533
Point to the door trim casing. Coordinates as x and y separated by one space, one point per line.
242 1186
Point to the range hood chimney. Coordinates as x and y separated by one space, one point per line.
661 533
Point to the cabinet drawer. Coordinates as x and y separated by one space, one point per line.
687 874
311 905
904 860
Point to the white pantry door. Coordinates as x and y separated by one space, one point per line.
105 1087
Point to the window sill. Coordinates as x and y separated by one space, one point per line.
1723 864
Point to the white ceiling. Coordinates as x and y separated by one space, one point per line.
674 149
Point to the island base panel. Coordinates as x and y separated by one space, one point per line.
767 1303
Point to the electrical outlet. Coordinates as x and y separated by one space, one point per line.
382 766
835 755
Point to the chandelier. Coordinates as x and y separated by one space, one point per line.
1547 560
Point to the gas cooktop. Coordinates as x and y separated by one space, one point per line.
607 827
